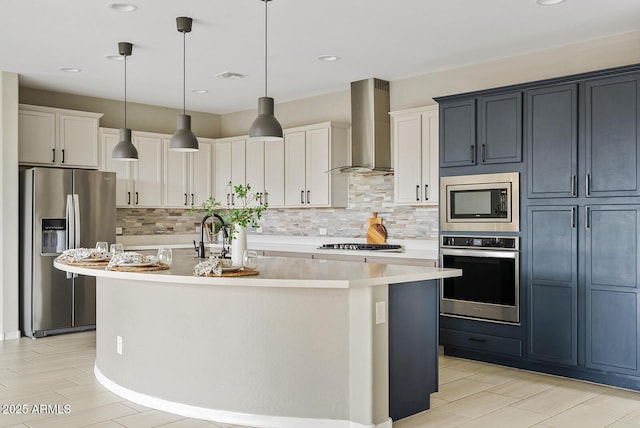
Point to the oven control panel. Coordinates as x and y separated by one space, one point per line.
496 242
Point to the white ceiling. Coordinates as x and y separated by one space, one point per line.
388 39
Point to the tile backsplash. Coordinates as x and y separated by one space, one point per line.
366 194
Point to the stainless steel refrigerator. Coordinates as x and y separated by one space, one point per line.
61 209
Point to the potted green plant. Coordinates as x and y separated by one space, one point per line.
243 212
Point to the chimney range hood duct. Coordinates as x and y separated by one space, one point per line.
370 128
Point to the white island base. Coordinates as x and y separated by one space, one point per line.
245 351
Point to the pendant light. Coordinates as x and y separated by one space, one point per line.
266 127
184 140
125 150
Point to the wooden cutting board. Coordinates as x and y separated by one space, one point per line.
376 232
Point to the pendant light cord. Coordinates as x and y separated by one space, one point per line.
125 91
265 46
184 72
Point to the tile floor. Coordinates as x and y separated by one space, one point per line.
59 370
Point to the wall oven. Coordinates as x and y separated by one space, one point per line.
489 286
481 202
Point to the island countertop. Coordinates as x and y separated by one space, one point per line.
281 272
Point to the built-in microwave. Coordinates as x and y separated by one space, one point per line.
480 202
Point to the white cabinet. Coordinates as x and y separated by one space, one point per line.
139 184
415 142
187 176
274 173
57 137
229 167
254 169
311 151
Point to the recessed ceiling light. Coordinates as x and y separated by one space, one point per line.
230 75
199 91
114 57
122 7
71 69
328 58
549 2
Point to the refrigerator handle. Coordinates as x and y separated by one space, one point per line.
76 215
71 226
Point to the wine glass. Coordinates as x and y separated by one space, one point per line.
116 249
102 246
165 255
249 260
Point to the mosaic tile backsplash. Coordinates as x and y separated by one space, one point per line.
366 194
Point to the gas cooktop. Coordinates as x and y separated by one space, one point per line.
363 247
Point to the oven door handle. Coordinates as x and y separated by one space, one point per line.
495 254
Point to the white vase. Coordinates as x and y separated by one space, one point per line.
238 244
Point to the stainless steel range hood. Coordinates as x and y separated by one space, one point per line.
370 128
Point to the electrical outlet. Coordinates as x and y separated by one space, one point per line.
258 229
381 313
322 231
118 231
119 345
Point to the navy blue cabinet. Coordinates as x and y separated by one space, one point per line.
612 134
612 243
552 141
458 133
497 125
553 284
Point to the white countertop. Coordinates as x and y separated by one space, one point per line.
282 272
413 249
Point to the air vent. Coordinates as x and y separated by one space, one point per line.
230 75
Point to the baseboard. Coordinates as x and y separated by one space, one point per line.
11 335
227 417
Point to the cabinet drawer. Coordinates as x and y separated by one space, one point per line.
481 342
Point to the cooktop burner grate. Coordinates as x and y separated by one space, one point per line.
361 247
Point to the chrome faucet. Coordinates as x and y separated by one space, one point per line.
225 236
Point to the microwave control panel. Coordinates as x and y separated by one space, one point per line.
494 242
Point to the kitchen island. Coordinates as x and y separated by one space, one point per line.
305 343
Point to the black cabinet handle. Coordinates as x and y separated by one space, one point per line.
233 199
483 149
136 198
573 185
417 191
302 196
128 198
426 192
192 199
308 196
185 199
266 198
228 200
586 218
473 339
587 185
54 156
473 154
259 198
573 217
62 155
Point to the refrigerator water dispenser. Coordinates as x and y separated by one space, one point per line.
54 236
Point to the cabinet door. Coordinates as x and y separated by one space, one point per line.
458 133
78 141
612 311
552 139
501 128
294 161
147 175
407 136
200 173
37 138
222 192
175 172
553 284
612 134
238 166
430 171
317 164
274 171
255 169
108 140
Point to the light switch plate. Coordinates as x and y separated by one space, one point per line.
381 312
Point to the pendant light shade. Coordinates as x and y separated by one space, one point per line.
125 150
266 127
184 140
